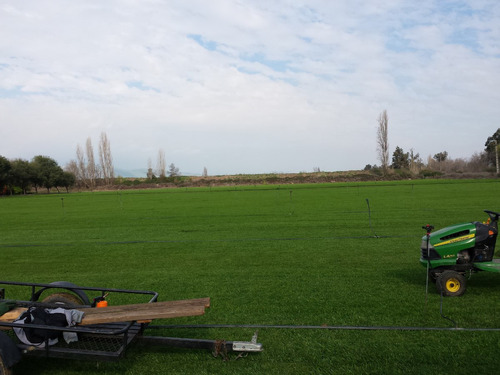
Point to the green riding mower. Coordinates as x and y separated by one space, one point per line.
455 252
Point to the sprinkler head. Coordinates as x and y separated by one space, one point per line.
428 228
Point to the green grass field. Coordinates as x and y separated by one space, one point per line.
270 255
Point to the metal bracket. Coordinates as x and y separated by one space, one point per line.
245 346
248 346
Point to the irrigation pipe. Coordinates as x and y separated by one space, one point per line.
322 327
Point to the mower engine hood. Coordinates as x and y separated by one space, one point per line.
460 243
446 243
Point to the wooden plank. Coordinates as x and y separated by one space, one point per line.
12 315
205 302
145 311
127 313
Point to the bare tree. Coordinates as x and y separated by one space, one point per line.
161 164
415 162
205 172
81 166
382 140
108 171
478 161
91 166
72 167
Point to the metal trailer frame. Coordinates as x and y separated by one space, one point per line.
104 342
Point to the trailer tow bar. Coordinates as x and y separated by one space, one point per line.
216 346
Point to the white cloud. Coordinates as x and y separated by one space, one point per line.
243 87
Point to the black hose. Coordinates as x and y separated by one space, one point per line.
441 311
322 327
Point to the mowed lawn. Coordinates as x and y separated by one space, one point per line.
301 255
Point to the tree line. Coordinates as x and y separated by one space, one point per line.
412 162
19 176
87 171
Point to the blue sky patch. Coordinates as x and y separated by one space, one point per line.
207 44
398 43
465 37
276 65
140 85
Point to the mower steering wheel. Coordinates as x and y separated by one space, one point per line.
493 215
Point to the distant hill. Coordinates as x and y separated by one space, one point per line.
288 178
139 173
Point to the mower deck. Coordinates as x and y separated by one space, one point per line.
493 266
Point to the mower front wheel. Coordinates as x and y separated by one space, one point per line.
451 283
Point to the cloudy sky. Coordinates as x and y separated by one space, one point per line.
240 86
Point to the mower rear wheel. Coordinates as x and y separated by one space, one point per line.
451 283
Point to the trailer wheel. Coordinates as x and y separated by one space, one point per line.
63 298
3 368
451 283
